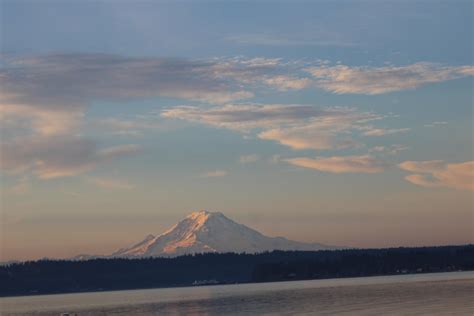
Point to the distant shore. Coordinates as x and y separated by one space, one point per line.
61 276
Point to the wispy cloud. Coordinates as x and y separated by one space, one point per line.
438 173
53 157
49 94
295 126
214 174
376 80
372 131
44 98
76 79
44 121
390 150
341 164
434 124
284 83
245 117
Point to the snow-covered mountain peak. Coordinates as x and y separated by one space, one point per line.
204 231
203 215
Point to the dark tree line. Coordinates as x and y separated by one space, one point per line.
61 276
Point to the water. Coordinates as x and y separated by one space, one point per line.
420 294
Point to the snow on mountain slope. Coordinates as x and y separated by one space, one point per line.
204 231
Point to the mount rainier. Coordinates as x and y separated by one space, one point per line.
204 231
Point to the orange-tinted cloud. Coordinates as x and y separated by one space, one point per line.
437 173
341 164
295 126
377 80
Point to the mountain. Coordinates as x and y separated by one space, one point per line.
204 231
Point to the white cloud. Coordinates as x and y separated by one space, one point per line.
341 164
437 173
376 80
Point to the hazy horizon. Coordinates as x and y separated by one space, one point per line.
345 123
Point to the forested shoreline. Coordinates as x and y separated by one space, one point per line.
68 276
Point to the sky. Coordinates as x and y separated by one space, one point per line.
340 122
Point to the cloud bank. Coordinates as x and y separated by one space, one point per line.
44 99
295 126
377 80
437 173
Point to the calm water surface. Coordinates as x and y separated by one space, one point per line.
421 294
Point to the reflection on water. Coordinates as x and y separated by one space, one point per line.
429 294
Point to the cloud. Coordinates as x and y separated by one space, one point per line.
76 79
371 131
49 94
422 180
377 80
295 126
124 127
111 184
42 121
44 99
54 157
214 174
341 164
117 151
428 166
284 83
434 124
249 158
437 173
307 137
244 117
391 150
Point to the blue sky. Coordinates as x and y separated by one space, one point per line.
337 122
